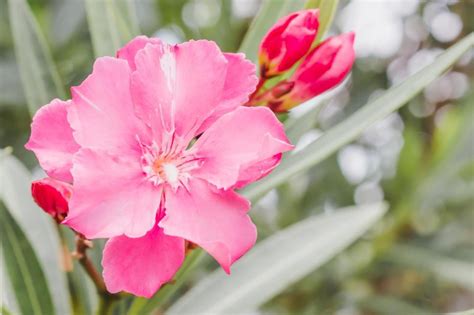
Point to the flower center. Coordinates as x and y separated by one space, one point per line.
170 168
167 170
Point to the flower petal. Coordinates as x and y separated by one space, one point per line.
111 196
240 82
52 196
288 41
141 265
102 115
51 140
241 147
175 88
129 51
214 219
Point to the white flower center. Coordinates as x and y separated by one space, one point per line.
167 167
171 173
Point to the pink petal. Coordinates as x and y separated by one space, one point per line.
52 141
141 265
111 196
325 67
288 41
241 147
175 88
102 115
129 51
214 219
52 196
240 82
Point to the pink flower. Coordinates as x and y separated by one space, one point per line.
52 196
287 42
125 140
324 68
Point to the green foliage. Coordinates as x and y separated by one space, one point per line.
352 126
25 273
278 261
39 75
40 229
112 24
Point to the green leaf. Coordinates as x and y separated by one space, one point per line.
146 306
270 11
25 273
39 76
38 227
112 23
348 130
277 262
327 10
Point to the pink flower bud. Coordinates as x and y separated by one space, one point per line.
287 42
324 68
52 196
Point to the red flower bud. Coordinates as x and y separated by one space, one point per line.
287 42
52 196
324 68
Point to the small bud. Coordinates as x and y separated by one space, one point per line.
52 196
323 68
287 42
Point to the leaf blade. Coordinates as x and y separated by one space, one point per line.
25 273
112 24
37 226
276 262
38 73
346 131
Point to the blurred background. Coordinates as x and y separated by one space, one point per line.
419 258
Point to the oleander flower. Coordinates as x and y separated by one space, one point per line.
154 143
52 196
289 39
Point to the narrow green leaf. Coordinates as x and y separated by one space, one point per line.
269 12
112 23
38 227
146 306
39 76
277 262
25 273
348 130
327 10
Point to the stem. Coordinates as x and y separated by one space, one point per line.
82 245
106 299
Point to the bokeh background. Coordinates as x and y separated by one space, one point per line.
419 258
